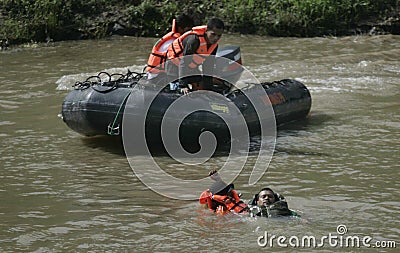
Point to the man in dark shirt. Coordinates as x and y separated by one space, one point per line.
200 42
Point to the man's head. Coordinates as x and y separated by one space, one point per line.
184 23
266 197
221 188
215 29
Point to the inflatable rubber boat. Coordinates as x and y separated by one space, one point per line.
97 107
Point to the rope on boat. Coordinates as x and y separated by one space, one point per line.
112 130
111 81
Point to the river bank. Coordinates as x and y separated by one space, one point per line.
45 21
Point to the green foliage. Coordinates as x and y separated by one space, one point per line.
308 16
246 16
148 17
41 20
36 20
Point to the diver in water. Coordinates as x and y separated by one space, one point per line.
221 198
267 203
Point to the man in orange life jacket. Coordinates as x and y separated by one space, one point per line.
222 198
196 45
155 64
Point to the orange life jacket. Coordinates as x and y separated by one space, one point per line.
226 203
157 58
175 50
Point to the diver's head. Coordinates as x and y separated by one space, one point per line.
266 197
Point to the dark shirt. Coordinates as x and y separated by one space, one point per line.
191 43
277 209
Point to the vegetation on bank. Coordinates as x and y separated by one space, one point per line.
45 20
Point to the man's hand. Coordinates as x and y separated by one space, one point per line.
212 172
185 91
214 175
